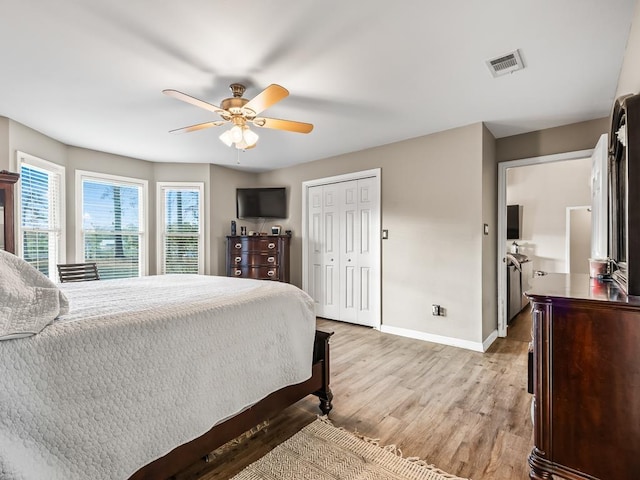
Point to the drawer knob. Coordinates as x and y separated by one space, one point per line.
238 259
271 259
238 245
271 273
271 245
238 272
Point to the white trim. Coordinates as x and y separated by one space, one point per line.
160 186
493 336
144 224
56 169
430 337
377 254
502 220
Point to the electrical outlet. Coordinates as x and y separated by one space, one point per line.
435 310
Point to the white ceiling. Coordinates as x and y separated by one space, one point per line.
90 73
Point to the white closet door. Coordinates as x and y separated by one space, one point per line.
368 224
315 248
349 243
331 251
343 225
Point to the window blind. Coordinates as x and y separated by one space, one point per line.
40 217
112 215
181 236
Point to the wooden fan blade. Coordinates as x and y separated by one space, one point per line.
289 125
193 101
270 95
199 126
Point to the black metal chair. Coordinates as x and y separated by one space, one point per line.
77 272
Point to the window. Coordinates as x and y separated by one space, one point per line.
41 215
180 239
112 223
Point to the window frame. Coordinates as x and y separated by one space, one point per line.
160 221
51 168
82 175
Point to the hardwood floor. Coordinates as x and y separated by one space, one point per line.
466 412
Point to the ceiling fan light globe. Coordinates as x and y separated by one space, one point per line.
250 137
226 138
236 133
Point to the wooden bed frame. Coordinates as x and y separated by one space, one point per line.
189 453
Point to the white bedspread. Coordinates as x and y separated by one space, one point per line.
139 366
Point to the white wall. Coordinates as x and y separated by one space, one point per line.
545 191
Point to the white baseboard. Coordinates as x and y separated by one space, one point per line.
451 341
489 340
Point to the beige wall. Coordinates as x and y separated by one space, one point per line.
545 194
100 162
16 137
224 182
629 81
568 138
432 205
28 140
5 151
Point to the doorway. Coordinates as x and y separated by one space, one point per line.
530 249
341 246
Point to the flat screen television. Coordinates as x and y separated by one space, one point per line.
263 202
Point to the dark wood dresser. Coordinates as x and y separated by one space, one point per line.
7 227
264 257
586 379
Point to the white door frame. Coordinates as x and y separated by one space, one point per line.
502 220
376 247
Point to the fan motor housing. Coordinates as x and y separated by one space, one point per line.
234 104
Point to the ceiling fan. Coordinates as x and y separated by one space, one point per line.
240 112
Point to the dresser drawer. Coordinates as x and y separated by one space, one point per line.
253 259
253 244
259 273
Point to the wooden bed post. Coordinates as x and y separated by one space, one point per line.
321 353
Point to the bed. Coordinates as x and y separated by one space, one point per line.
141 377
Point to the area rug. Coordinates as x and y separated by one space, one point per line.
321 451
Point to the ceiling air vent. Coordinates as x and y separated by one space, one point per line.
504 64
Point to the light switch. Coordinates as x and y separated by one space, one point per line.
486 229
385 234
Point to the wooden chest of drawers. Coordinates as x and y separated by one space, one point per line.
264 257
586 379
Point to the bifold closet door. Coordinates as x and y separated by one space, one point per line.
324 281
342 226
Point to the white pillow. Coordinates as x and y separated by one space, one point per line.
29 301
